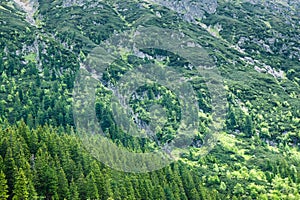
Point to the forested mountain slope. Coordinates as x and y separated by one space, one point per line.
253 45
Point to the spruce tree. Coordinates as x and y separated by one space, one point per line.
74 194
202 192
159 193
3 187
82 186
106 181
193 194
62 183
231 122
178 181
176 191
144 189
129 188
169 193
1 163
32 191
20 191
248 127
92 191
99 178
136 188
46 177
10 169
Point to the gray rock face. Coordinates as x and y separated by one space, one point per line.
190 9
29 7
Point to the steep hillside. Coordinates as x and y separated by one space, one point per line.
226 71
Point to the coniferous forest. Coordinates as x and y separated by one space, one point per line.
254 46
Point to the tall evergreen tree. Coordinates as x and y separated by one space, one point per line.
74 194
62 183
82 186
102 181
129 188
202 192
3 187
32 191
144 189
248 127
106 191
46 177
92 191
159 193
231 122
137 188
1 163
178 181
189 185
169 193
20 191
176 191
10 169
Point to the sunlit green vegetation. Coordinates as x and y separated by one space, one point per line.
257 153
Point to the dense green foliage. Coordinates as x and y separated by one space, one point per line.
257 154
46 162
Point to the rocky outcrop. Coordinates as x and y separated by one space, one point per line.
190 9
